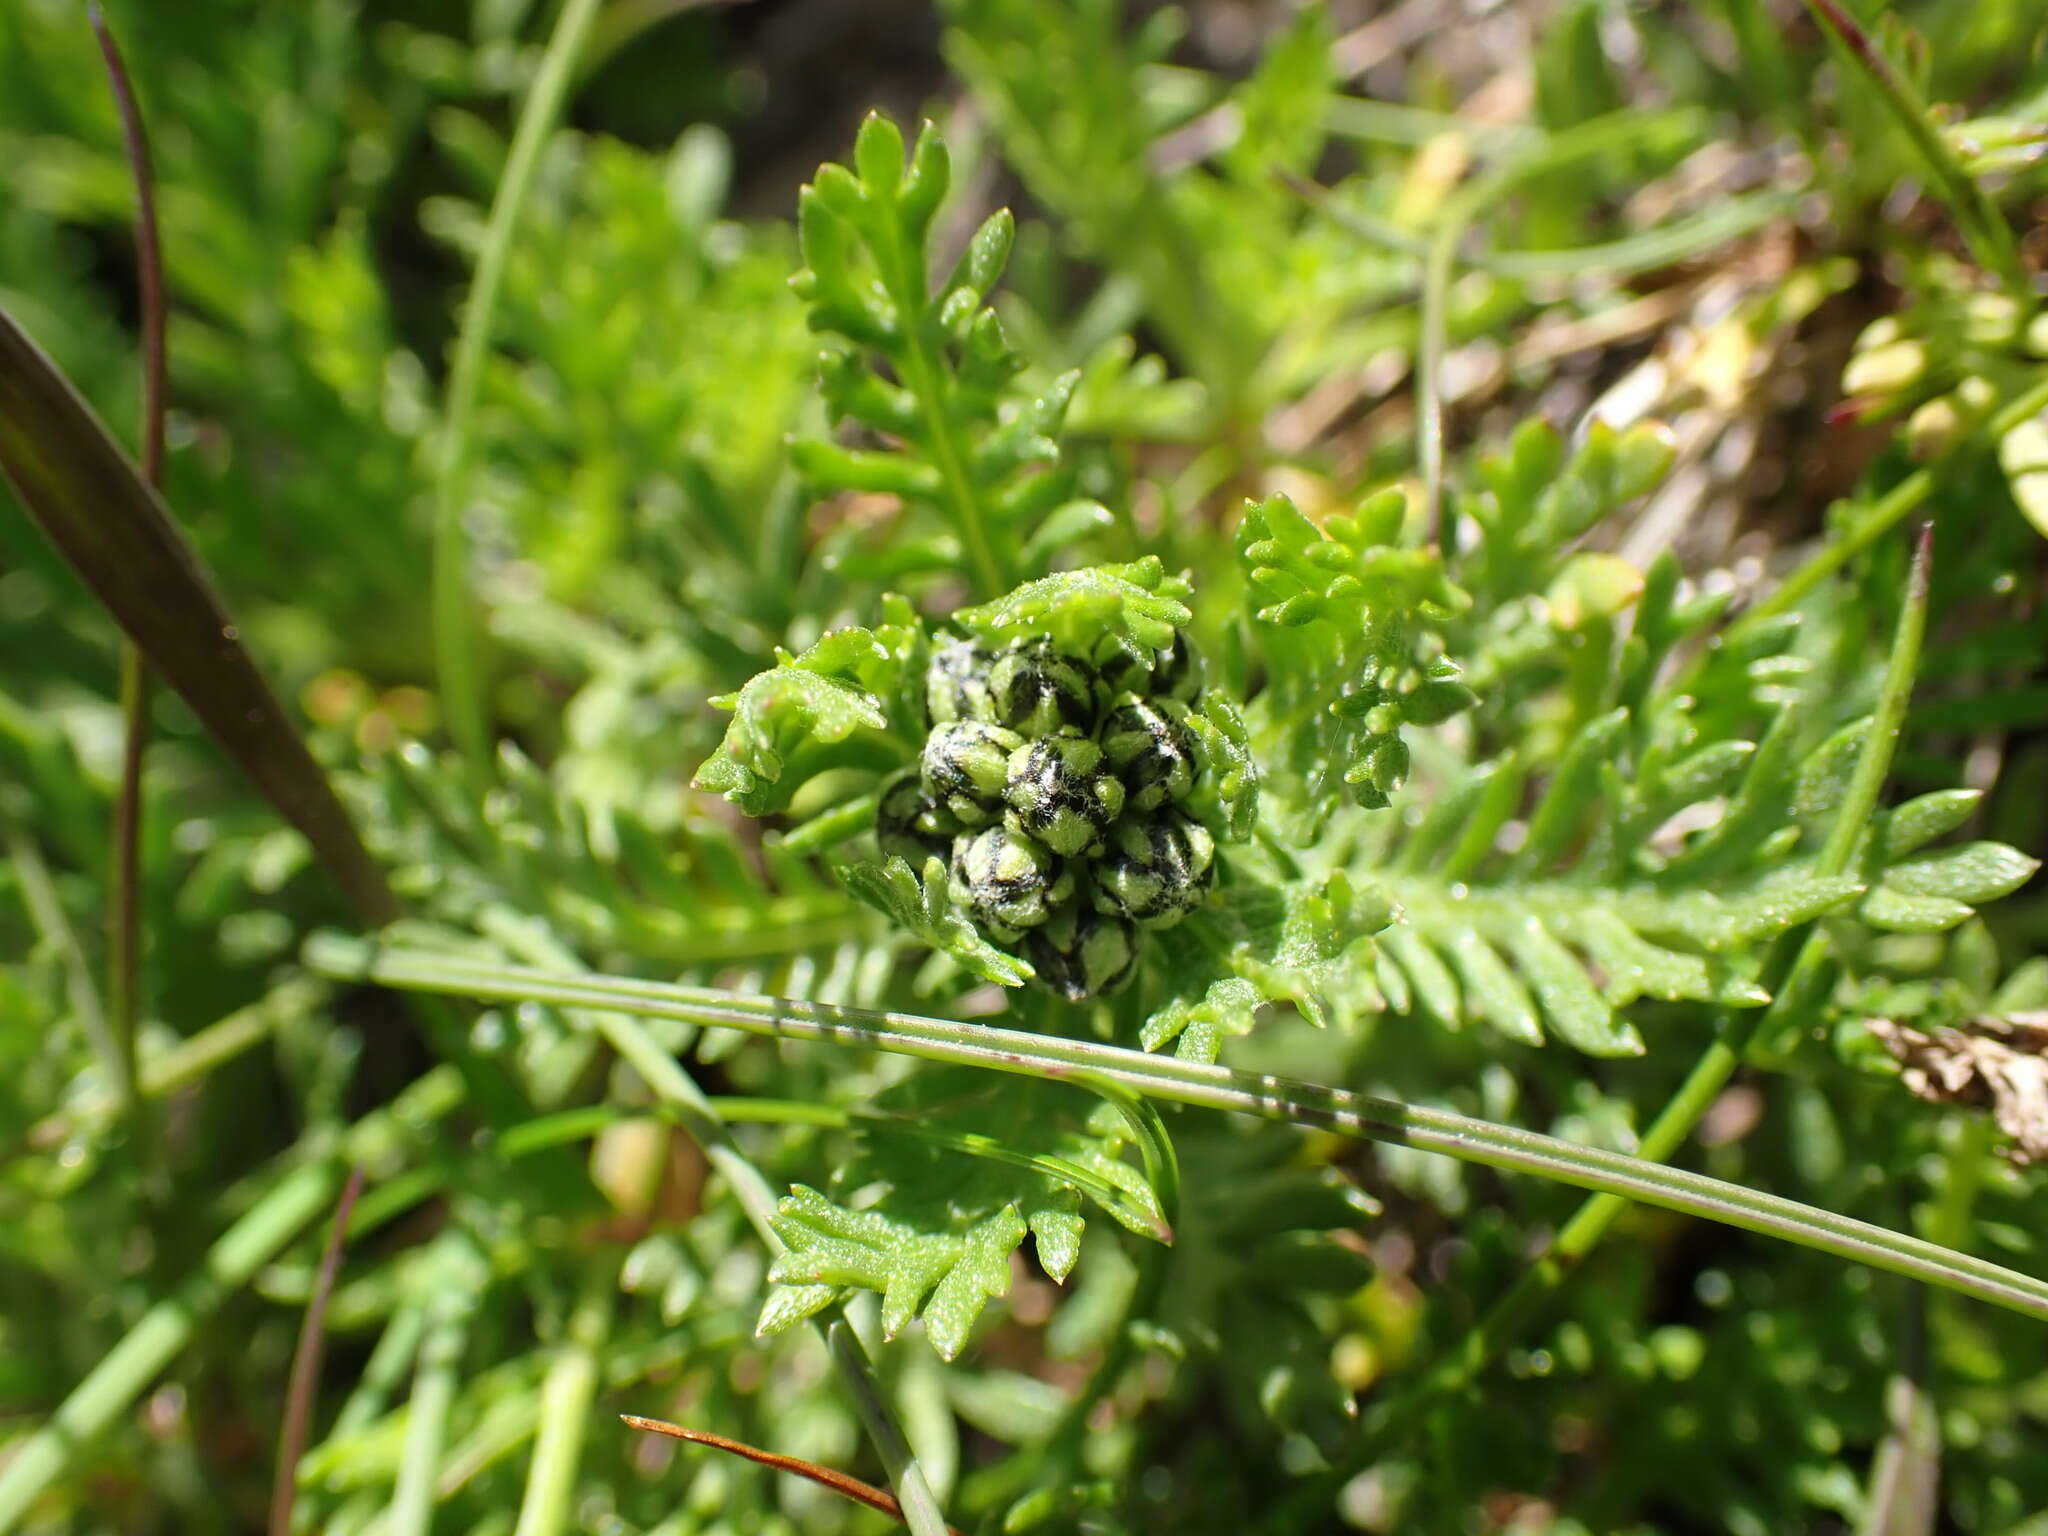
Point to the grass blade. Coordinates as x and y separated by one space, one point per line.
454 619
565 1398
115 531
124 929
1990 237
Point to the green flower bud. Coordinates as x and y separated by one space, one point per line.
966 766
1061 792
1007 880
1158 871
1149 745
1174 673
1081 954
908 825
956 683
1387 764
1036 690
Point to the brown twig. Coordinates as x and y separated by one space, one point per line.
304 1382
841 1484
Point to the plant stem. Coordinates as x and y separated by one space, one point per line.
126 1371
454 621
565 1398
303 1385
124 930
925 379
920 1508
1984 227
433 1392
1891 509
1215 1087
397 1347
53 928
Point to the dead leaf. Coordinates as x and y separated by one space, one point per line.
1999 1063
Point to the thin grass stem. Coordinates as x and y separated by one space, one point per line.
303 1385
565 1399
455 638
1989 235
124 926
1262 1095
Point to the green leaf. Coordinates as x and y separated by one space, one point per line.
922 907
1971 872
1346 621
950 1173
2023 454
1273 941
1136 606
823 709
944 1278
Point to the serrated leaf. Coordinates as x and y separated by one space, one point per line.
922 907
946 1279
1138 605
1571 1003
1302 944
807 713
950 1172
1226 796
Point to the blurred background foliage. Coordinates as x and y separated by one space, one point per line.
1689 213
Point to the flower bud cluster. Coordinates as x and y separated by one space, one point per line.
1053 788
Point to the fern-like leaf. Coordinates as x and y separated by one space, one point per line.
952 1173
826 708
1304 943
917 901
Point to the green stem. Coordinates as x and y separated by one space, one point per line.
565 1399
1891 509
1214 1087
1989 235
434 1384
921 375
454 624
914 1494
126 1371
1885 515
397 1347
